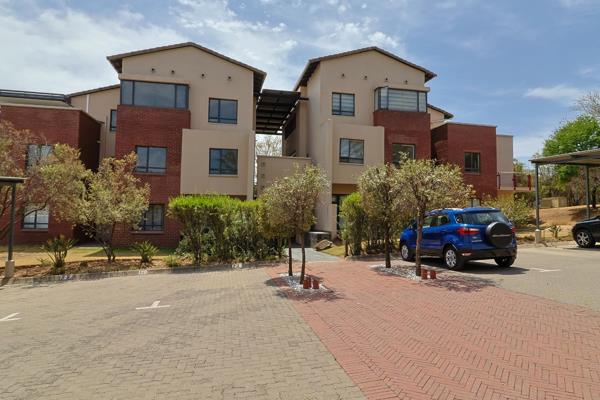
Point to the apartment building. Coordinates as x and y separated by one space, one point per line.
367 107
191 116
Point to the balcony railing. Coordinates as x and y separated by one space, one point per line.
519 181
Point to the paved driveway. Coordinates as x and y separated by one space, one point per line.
567 274
459 337
225 335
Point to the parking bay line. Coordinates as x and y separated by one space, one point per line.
10 318
153 306
544 270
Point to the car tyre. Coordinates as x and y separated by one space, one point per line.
584 238
452 259
406 253
505 262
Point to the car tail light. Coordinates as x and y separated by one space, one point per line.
467 231
513 229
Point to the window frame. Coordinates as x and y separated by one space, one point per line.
348 160
35 226
414 152
220 150
175 86
113 121
378 98
471 170
147 167
39 156
219 119
142 226
340 111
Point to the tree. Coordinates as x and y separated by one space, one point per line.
380 189
268 145
589 105
298 195
113 196
429 186
54 180
354 222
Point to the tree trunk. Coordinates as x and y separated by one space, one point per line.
345 248
290 273
386 237
279 247
303 258
418 247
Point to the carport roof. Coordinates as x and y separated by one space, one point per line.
590 158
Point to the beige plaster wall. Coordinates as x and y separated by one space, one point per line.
374 145
207 75
195 177
271 168
98 105
437 118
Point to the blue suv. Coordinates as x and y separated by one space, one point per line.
458 235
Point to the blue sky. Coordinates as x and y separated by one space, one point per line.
515 64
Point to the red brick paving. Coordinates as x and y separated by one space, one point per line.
452 338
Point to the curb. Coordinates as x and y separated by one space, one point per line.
115 274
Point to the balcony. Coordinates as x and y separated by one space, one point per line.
515 181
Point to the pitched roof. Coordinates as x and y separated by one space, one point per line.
117 60
314 62
447 115
100 89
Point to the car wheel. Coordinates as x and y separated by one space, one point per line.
406 253
453 259
584 238
505 262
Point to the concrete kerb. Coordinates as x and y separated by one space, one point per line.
114 274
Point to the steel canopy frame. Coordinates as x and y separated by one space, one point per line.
587 159
11 181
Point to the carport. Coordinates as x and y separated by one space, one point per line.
587 159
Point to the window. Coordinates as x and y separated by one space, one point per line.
113 120
151 159
153 219
223 161
472 162
36 153
342 104
402 150
153 94
33 218
222 111
352 151
400 100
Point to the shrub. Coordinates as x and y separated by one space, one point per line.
516 209
173 261
146 250
354 222
57 249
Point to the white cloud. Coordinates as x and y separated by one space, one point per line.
524 147
64 50
340 36
560 93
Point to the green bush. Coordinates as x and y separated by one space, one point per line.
516 209
220 228
173 261
146 250
57 249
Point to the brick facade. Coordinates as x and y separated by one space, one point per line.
450 142
405 127
52 126
154 127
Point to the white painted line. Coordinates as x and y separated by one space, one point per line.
545 270
10 318
154 305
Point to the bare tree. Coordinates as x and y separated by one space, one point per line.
589 104
268 145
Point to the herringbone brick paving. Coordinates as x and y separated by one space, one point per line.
226 335
457 338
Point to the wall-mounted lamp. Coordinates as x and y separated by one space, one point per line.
343 75
386 79
365 77
406 82
172 71
202 76
153 70
229 78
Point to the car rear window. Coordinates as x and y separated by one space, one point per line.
481 218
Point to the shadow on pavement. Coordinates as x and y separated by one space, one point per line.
462 283
287 292
479 268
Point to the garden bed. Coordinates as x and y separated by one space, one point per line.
405 271
293 283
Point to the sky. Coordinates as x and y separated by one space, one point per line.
517 64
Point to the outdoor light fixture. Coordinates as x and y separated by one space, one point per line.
229 78
343 75
172 71
153 70
202 76
365 77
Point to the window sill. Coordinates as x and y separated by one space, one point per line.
472 173
151 173
222 123
147 232
222 176
349 163
33 230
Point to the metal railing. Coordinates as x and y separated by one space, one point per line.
510 180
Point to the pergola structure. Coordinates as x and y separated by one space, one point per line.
587 159
273 109
11 181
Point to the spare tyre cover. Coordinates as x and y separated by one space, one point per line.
499 234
